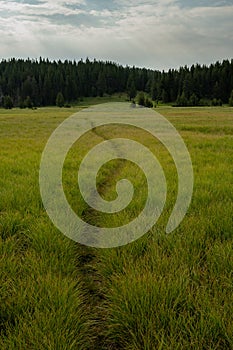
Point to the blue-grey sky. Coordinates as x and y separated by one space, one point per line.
158 34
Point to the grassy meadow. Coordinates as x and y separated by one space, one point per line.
161 292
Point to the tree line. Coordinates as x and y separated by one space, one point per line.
28 83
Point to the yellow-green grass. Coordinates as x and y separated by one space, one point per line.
41 293
161 292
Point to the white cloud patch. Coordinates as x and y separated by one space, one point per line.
40 7
158 34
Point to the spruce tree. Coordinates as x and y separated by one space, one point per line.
141 99
28 102
154 91
182 101
101 84
60 100
231 99
193 101
130 86
7 102
131 90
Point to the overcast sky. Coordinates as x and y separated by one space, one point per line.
158 34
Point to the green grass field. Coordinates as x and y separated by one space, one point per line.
161 292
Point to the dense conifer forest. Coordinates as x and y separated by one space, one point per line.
28 83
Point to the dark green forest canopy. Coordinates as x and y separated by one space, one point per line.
42 80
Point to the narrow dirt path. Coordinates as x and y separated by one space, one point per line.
87 264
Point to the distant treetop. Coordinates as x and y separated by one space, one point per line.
59 82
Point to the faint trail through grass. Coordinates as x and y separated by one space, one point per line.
161 292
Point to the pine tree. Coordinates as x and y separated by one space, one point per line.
60 100
131 89
101 84
165 97
28 102
154 90
193 101
7 102
21 103
141 99
148 103
182 100
231 99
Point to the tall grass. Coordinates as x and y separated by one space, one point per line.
42 297
175 291
161 292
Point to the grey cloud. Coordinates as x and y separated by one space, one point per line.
32 2
204 3
155 33
76 20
